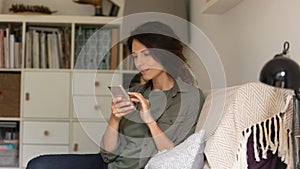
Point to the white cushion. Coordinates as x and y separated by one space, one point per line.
187 155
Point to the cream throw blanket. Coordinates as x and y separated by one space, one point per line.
228 115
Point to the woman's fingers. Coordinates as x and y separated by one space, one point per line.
121 107
134 100
121 112
138 97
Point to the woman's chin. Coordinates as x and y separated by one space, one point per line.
145 77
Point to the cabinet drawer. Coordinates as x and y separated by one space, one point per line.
31 151
94 83
45 132
97 108
87 136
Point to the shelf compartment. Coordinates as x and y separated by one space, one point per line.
48 46
96 47
9 143
10 88
10 45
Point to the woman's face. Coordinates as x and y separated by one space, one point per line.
144 62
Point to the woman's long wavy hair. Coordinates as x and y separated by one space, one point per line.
165 47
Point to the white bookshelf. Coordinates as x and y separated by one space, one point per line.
62 110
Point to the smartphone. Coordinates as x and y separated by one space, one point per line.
118 91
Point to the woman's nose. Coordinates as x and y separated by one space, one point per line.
138 61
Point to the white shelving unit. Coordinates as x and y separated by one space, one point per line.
62 110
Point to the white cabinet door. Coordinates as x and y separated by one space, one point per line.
46 94
87 136
96 108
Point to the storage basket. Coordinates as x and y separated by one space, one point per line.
9 158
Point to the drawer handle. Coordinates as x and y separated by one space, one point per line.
97 83
75 148
97 107
27 96
46 133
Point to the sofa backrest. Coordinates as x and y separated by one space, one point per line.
227 112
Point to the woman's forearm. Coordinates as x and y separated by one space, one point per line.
110 136
162 142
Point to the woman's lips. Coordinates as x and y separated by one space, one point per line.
144 71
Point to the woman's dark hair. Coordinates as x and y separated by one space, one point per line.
163 44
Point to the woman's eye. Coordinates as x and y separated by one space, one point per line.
134 56
146 53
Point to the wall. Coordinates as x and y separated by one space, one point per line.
250 34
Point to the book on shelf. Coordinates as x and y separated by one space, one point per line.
36 49
2 57
46 47
9 134
103 55
49 50
17 54
87 48
8 124
6 47
43 54
114 10
28 50
61 57
11 51
54 57
9 35
67 47
114 51
17 47
96 48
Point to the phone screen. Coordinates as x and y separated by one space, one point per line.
118 91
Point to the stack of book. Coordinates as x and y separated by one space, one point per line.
96 48
10 47
47 47
9 132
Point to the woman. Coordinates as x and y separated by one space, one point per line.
161 113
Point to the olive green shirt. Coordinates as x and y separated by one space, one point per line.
176 112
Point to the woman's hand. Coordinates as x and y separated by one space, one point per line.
161 140
145 113
120 107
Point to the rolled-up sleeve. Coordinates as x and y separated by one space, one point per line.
109 156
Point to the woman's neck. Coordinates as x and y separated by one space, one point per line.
163 82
